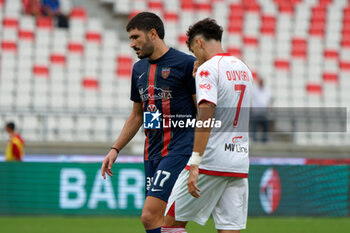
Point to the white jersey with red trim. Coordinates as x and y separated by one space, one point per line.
226 81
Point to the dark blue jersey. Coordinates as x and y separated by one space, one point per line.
166 85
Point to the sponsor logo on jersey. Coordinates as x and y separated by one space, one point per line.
152 108
205 86
204 74
235 147
270 190
151 120
141 75
159 94
236 139
165 72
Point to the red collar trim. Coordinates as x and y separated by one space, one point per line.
223 54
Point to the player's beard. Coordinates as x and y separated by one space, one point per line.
147 49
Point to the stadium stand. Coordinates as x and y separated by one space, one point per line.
73 85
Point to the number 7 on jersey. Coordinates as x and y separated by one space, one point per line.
241 89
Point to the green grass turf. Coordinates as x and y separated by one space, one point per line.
133 225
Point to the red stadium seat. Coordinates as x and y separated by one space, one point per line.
171 16
124 73
268 24
282 64
234 51
344 65
93 37
252 6
155 5
44 23
330 77
250 41
182 39
187 5
324 3
78 13
286 8
236 19
299 47
316 31
90 83
124 60
319 12
318 21
345 42
235 26
331 54
26 35
124 66
9 46
75 48
203 7
313 88
236 10
10 22
58 59
39 70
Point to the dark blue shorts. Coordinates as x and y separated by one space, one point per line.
161 175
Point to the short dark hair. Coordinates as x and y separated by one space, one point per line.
10 125
146 21
207 27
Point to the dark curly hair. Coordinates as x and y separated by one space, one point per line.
11 125
207 27
145 21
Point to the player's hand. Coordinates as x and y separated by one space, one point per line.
108 163
192 181
195 68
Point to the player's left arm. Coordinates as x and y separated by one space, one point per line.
201 137
206 88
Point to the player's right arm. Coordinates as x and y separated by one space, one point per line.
130 128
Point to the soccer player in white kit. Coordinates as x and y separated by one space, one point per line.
215 180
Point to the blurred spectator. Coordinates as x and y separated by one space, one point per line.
32 7
52 8
261 101
15 146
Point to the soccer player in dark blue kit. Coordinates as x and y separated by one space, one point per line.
162 85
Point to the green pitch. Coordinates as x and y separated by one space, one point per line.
133 225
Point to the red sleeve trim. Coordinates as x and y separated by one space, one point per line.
206 101
217 173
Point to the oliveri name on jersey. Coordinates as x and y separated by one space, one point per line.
235 75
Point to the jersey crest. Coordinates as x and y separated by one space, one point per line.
165 72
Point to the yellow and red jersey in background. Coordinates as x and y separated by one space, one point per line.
15 148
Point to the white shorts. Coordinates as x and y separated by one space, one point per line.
226 198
